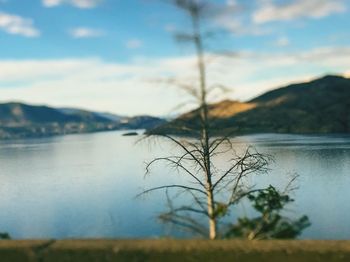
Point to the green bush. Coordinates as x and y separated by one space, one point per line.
270 224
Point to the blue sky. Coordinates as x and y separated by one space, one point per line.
109 55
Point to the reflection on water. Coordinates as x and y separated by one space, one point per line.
85 185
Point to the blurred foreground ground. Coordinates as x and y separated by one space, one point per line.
173 250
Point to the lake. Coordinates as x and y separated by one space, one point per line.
84 186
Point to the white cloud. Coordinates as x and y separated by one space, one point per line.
231 3
134 44
126 88
86 83
236 26
270 11
76 3
85 32
234 18
282 41
51 3
17 25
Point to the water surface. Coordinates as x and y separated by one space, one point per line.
84 186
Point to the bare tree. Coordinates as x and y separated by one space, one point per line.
213 189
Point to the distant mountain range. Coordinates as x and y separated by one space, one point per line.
19 120
108 116
319 106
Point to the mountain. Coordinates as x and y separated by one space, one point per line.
18 120
18 114
112 117
124 122
91 115
142 122
318 106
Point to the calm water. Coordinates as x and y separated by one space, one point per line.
84 186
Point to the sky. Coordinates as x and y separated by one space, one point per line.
118 55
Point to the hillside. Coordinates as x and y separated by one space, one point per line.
318 106
18 114
84 115
18 120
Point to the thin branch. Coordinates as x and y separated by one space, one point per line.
198 201
171 186
191 209
184 222
177 164
242 195
289 187
217 142
185 149
226 174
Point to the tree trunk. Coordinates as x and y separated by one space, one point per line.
212 219
204 124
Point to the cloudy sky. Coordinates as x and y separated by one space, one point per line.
112 55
